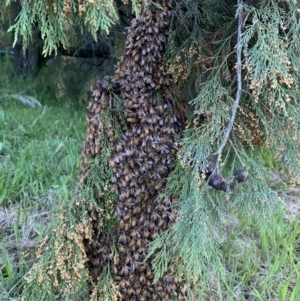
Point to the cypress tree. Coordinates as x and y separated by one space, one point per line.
159 177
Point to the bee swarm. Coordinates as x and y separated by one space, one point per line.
141 159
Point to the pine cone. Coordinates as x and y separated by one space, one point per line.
218 182
240 175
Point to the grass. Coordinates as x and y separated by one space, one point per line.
263 266
39 161
39 151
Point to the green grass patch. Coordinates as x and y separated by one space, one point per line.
40 150
39 161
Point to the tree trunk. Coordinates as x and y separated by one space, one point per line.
28 62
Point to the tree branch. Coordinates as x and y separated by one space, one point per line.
239 83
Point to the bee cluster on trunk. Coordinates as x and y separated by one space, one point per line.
141 159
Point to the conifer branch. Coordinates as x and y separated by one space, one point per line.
239 83
236 151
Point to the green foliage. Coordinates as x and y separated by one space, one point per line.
60 270
267 117
57 20
105 289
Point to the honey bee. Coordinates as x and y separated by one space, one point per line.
151 227
95 262
161 80
128 178
160 223
118 147
138 292
142 279
122 284
143 61
130 292
131 120
161 168
132 243
117 173
124 271
132 276
113 188
121 224
159 186
138 160
148 273
138 243
161 208
140 85
136 58
121 248
139 43
144 89
118 158
154 235
135 68
123 183
146 130
136 141
130 104
127 191
128 203
127 259
92 105
127 217
136 256
126 227
164 214
149 286
131 163
122 238
90 136
136 210
94 273
137 192
133 233
112 162
142 219
123 195
115 270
